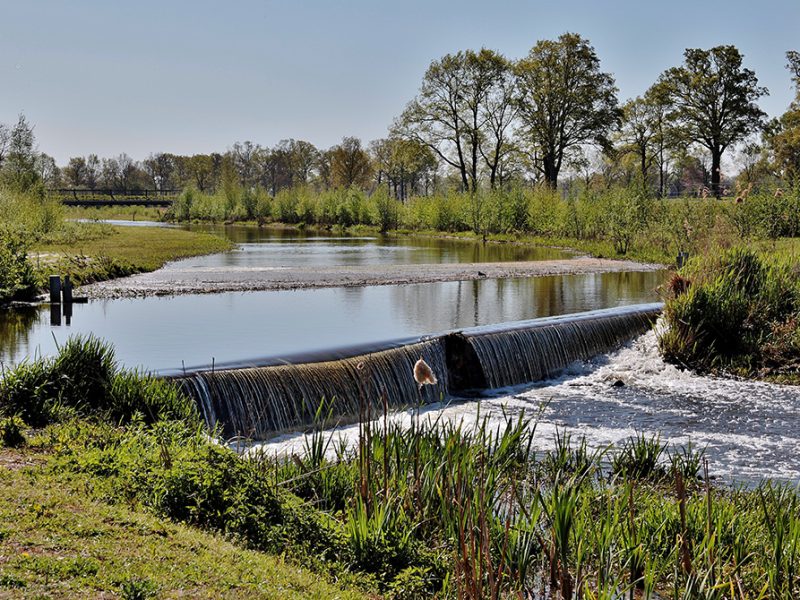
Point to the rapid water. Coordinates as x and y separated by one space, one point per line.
256 402
749 430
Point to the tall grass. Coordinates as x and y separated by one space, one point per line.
83 379
462 510
737 311
618 221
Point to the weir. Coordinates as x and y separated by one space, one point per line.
256 402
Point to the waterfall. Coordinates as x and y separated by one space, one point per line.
527 351
259 401
256 402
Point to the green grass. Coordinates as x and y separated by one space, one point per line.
128 213
95 252
736 311
56 541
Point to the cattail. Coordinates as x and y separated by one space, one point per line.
423 374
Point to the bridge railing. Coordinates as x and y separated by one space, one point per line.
111 197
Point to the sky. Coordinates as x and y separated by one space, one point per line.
189 77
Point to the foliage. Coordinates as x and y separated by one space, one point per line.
739 313
11 432
713 101
16 275
566 100
83 379
60 537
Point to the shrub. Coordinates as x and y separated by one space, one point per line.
738 305
11 432
83 379
16 275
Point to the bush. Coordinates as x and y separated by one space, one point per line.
736 306
84 379
11 433
16 275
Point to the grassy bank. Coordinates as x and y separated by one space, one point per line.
737 311
94 252
36 240
449 510
59 540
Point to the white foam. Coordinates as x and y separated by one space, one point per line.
749 429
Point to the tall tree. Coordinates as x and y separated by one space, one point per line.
75 171
19 167
645 133
159 168
463 112
565 100
201 169
5 136
93 167
48 171
405 165
713 101
350 164
245 157
784 135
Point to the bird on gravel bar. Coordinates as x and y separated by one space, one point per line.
423 374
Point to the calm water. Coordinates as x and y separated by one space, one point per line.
159 333
165 333
290 248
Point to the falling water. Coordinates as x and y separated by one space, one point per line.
528 351
256 402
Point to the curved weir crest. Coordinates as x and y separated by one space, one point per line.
256 402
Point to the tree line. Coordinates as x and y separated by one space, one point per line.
481 120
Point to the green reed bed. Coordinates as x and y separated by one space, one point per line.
612 222
736 311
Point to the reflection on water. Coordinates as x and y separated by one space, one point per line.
162 332
260 247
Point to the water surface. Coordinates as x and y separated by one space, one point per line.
164 333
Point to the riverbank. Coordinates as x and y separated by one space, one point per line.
57 540
91 252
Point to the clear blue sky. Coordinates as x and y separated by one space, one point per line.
195 76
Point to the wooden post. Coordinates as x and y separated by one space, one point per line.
55 289
67 290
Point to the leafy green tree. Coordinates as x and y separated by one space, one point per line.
159 168
93 167
713 102
246 157
784 137
638 134
793 64
201 169
75 171
47 170
19 166
565 101
303 157
464 113
350 164
406 165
